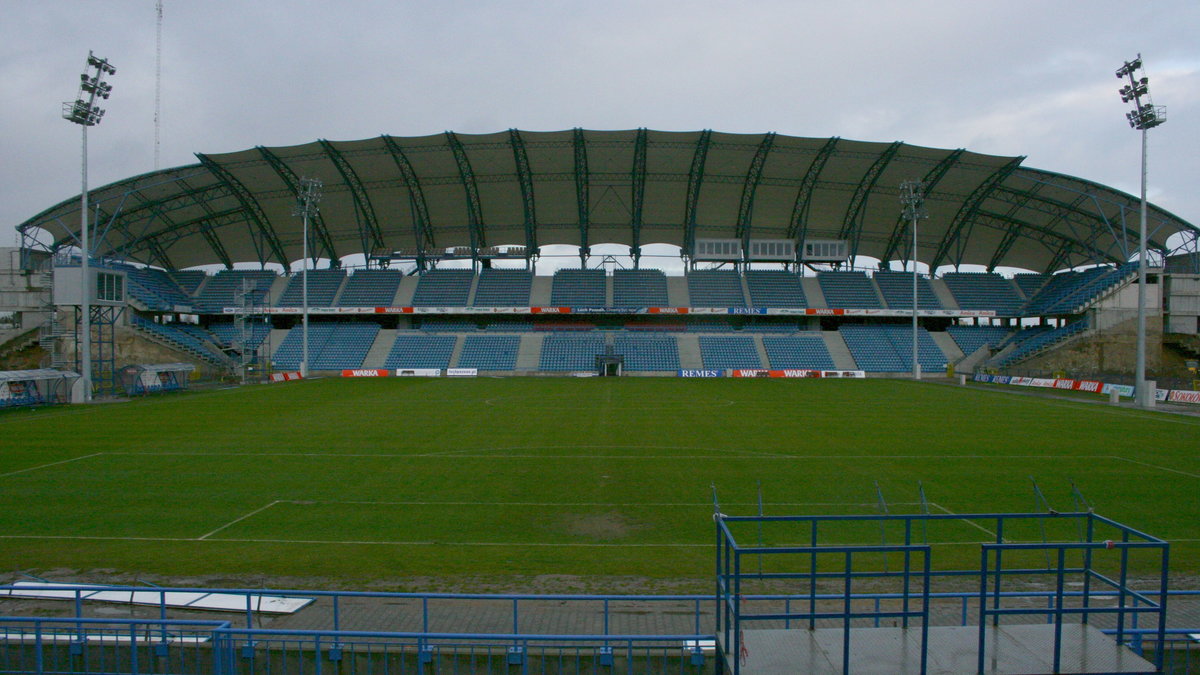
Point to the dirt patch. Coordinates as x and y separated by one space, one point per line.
599 526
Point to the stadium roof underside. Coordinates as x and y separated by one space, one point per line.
582 188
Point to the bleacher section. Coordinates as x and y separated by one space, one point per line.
490 352
503 288
323 286
223 289
849 290
371 288
984 291
897 291
805 351
888 348
571 343
155 289
346 347
420 351
188 280
775 288
1068 292
645 352
179 338
571 351
1030 284
971 338
716 288
1039 342
578 288
639 288
729 352
229 334
443 288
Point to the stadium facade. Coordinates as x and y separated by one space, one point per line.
427 248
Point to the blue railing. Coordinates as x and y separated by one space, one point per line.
82 644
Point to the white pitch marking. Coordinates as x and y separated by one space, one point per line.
1155 466
238 520
355 543
969 522
44 466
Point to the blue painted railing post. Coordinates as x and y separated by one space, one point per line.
133 649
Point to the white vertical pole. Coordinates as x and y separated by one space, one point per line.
83 344
304 292
915 363
1144 397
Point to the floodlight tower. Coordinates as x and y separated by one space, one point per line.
84 112
306 207
1144 117
912 196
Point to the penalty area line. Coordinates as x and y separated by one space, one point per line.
46 466
1155 466
235 521
965 520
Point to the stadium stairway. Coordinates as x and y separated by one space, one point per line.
948 346
760 347
689 352
813 293
529 355
277 287
608 292
459 340
838 351
942 292
539 293
404 294
677 293
378 353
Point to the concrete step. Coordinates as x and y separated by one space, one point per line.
377 354
689 352
838 351
529 354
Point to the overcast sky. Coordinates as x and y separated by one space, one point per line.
1032 78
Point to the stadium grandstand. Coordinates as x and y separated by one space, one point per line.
441 252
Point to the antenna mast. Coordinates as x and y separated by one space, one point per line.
158 84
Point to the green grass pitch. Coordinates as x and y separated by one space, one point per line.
492 481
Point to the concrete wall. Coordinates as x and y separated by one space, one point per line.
1109 350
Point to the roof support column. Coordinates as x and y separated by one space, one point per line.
695 180
582 198
637 181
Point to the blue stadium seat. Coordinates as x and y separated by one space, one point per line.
729 352
371 288
578 288
848 290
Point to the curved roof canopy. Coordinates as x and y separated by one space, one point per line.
582 187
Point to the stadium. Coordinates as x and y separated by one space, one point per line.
375 405
573 389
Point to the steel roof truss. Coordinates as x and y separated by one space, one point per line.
695 181
852 222
582 198
966 212
638 187
746 205
798 227
525 181
364 213
931 179
474 210
260 225
317 222
422 226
